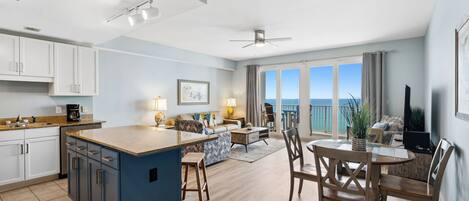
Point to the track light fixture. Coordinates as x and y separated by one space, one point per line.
137 14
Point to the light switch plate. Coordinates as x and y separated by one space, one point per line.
58 109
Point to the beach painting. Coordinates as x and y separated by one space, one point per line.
191 92
462 71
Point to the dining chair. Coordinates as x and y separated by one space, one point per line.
351 187
301 171
417 190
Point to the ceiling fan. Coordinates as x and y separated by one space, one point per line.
260 40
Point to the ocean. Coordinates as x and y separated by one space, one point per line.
321 117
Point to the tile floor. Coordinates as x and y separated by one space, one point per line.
53 191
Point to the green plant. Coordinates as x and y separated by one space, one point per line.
358 117
417 120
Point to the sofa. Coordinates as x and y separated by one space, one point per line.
216 150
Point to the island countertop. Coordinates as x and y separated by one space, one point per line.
140 140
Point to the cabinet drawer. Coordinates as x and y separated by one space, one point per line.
71 143
253 137
94 151
41 132
82 147
11 135
110 158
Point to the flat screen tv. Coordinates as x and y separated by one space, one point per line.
407 110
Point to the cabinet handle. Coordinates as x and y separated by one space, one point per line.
70 143
99 179
75 163
81 148
107 158
21 149
93 152
21 67
27 148
17 67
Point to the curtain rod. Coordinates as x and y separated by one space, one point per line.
330 58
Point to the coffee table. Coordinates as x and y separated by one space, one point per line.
246 136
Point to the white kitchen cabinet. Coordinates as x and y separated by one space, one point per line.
36 58
12 159
76 71
29 154
42 157
88 71
9 55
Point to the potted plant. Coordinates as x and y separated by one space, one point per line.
359 119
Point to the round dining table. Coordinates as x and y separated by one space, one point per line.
381 155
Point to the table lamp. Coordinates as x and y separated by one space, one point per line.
231 104
160 107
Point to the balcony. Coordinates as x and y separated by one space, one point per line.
320 118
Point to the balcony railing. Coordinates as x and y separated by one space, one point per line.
320 118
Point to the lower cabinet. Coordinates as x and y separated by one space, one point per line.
12 162
89 179
42 157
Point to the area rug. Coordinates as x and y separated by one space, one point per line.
256 150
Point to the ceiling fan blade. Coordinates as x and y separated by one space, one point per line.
241 40
248 45
278 39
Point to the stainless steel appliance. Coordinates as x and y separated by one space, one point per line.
73 112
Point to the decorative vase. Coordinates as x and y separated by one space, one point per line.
359 144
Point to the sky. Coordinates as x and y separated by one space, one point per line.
320 82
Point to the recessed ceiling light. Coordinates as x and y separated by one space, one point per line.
32 29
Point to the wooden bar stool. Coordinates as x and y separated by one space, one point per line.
195 160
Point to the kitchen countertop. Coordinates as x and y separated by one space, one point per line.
140 140
51 124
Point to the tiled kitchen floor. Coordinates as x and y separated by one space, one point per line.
53 191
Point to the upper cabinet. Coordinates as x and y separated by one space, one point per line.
9 55
76 71
36 58
25 59
72 70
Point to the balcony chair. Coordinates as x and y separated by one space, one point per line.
269 116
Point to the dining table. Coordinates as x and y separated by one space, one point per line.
381 155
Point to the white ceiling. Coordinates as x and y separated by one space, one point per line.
191 25
313 24
79 20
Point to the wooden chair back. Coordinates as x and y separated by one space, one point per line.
294 148
329 180
437 168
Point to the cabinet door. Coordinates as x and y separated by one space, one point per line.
65 65
96 182
88 71
36 57
110 184
72 174
9 54
12 162
42 157
82 178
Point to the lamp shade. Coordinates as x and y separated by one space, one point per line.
161 104
231 102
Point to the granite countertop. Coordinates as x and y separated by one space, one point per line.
51 124
141 140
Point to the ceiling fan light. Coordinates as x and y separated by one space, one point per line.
136 19
150 13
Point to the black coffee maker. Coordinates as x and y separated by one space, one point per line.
73 112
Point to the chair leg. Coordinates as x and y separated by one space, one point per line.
300 186
204 171
186 172
199 187
292 184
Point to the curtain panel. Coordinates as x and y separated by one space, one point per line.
252 108
372 82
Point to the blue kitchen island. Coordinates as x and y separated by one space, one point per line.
133 163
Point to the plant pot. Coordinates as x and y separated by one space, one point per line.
359 144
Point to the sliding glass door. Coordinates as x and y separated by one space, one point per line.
311 96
